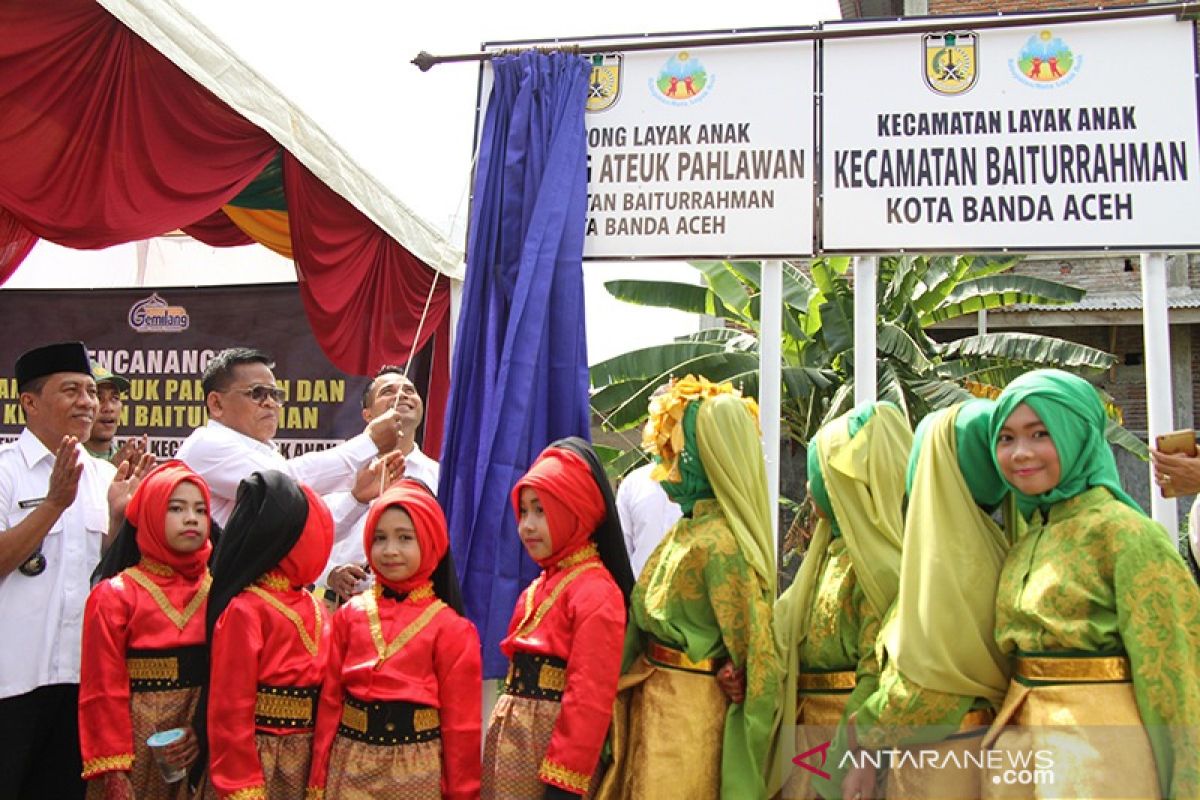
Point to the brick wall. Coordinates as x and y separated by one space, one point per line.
1095 275
990 6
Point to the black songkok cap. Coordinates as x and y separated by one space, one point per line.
52 358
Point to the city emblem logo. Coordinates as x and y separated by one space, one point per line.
154 315
1045 62
951 61
683 80
604 85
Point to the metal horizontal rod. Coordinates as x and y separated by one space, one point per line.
424 61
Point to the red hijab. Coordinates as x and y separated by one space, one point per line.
430 525
308 557
570 497
147 513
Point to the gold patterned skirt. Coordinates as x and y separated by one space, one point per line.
517 740
285 759
1080 739
820 704
361 771
958 773
668 726
151 712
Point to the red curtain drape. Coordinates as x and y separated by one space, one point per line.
103 140
217 230
364 293
15 243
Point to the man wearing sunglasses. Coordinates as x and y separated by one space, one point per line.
243 414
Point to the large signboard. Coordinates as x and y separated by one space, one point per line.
701 152
161 339
1080 135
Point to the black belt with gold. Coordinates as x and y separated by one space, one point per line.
536 677
388 722
167 669
286 706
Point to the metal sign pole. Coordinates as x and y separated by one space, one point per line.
770 341
865 270
1156 334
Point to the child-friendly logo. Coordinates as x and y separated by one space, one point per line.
1046 62
683 80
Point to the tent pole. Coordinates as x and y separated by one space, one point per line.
1157 363
770 342
866 268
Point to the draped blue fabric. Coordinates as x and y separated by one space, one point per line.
519 379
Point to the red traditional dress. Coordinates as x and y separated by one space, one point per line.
400 708
269 649
564 644
143 646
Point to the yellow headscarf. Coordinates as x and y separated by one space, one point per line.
864 478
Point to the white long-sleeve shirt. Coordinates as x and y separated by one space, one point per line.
646 515
224 458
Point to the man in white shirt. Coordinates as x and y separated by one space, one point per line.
345 573
243 409
646 515
56 517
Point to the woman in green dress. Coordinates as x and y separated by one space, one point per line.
704 598
828 619
943 676
1096 609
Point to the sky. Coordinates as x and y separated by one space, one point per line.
347 65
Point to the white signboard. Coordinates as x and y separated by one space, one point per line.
1080 135
701 152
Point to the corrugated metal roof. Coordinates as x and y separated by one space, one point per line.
1114 301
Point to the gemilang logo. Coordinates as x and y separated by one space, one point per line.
154 315
823 751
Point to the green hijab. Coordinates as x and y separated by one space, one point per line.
972 424
693 484
1073 414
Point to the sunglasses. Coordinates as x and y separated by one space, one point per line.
261 393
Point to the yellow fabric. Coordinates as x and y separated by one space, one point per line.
864 477
269 228
817 718
663 435
1093 732
942 635
728 439
666 736
909 780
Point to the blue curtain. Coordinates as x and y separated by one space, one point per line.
519 379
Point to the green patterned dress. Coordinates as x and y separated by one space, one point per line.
1098 578
698 595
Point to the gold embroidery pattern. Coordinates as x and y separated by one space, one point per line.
249 793
278 706
311 643
827 681
95 766
552 678
313 793
426 719
579 556
156 568
354 718
385 649
153 669
274 580
563 778
528 625
179 618
422 592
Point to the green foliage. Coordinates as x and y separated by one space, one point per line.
817 349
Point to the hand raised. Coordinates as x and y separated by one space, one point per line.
64 477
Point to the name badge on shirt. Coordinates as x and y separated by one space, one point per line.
31 503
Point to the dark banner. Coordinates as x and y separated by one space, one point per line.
161 340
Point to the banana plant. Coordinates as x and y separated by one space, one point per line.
914 370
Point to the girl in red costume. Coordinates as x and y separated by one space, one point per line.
143 638
269 640
565 638
400 708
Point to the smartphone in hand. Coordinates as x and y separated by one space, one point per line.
1176 443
